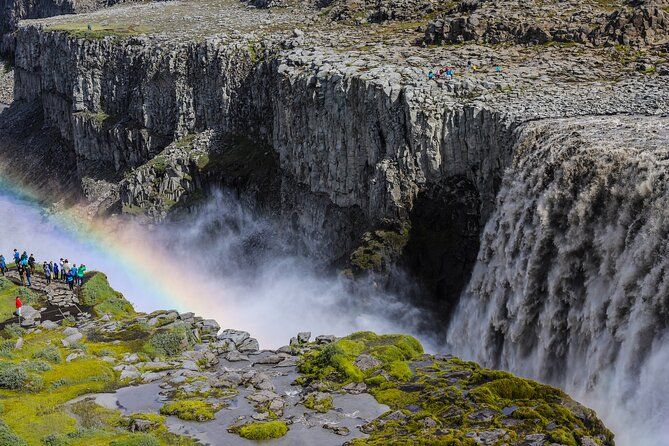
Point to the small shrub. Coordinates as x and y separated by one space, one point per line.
169 342
55 440
12 376
189 410
37 366
14 331
9 438
50 353
263 430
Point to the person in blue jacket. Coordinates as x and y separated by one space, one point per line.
3 264
70 280
17 257
55 271
75 273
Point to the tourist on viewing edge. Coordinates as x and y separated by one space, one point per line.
47 273
3 264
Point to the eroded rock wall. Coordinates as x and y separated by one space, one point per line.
353 145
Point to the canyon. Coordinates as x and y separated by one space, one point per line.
522 196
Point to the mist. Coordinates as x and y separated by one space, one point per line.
220 262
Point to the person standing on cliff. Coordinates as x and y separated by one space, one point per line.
69 278
62 269
75 273
28 271
31 263
80 274
17 257
3 264
56 270
47 273
66 268
22 274
19 304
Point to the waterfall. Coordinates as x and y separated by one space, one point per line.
571 284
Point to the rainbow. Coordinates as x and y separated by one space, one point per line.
148 268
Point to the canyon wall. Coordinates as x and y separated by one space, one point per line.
365 146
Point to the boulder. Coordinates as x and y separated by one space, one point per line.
130 374
303 337
235 356
69 331
367 362
49 325
209 326
235 336
249 345
72 339
72 356
325 339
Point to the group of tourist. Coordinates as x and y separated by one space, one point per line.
73 275
449 72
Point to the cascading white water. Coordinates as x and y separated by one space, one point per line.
571 284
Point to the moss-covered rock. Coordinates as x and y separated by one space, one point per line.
98 294
444 400
262 430
190 410
319 402
338 362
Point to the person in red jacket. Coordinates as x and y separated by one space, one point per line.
19 304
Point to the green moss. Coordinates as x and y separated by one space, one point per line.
263 430
400 370
379 249
190 410
396 398
322 405
97 293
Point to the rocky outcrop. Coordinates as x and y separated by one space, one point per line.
508 21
